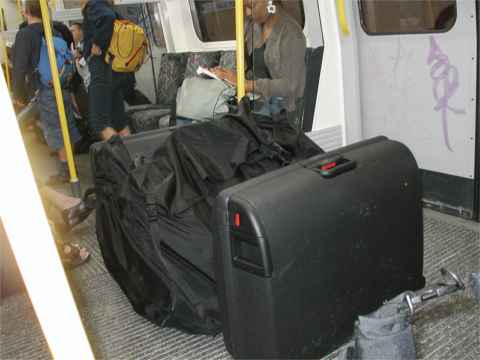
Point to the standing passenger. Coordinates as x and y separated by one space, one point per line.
27 80
107 110
79 88
77 48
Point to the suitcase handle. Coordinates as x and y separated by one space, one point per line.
250 266
334 166
251 254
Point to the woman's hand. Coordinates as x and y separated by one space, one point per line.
225 74
96 50
231 77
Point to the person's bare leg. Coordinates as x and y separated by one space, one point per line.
107 133
63 173
58 200
62 155
125 132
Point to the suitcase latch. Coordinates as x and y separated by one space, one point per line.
334 166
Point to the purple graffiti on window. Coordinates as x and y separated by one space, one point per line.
445 85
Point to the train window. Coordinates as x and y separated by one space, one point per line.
407 17
214 20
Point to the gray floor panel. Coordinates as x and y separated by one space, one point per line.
444 329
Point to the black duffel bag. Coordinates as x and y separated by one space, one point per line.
155 192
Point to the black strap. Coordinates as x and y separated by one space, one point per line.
173 114
89 198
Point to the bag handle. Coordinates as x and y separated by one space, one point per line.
333 166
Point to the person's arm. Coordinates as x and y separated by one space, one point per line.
231 77
292 63
292 66
103 17
21 65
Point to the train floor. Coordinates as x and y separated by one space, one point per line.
444 329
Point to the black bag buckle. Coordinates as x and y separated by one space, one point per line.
441 289
276 152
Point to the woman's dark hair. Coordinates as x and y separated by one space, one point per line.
77 24
32 7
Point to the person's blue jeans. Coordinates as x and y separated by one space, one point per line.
105 97
275 105
271 106
183 121
50 121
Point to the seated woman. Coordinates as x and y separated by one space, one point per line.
276 46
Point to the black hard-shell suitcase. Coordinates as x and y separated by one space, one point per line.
301 251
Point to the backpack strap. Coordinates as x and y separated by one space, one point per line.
268 149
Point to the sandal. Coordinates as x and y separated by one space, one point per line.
73 255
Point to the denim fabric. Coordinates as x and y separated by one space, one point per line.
183 121
50 120
106 96
272 106
387 333
275 105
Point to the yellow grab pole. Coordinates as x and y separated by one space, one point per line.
342 17
19 9
47 29
5 54
240 37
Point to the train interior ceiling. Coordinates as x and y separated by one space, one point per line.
374 68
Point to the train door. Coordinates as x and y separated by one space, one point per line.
418 84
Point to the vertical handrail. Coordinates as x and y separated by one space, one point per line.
342 17
19 9
5 53
240 40
47 29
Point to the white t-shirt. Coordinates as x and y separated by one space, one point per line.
82 67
